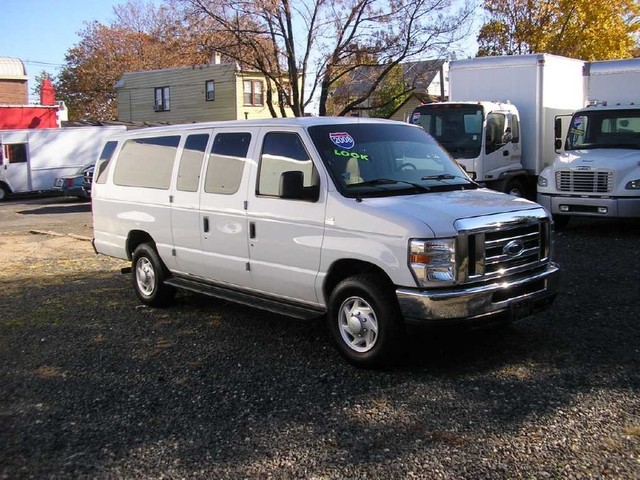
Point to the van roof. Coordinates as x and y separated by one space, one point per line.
303 122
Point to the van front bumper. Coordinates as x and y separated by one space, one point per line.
490 303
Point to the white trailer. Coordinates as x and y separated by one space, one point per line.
598 171
499 120
31 160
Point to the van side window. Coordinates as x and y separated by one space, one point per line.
191 162
146 162
102 168
284 152
15 152
226 163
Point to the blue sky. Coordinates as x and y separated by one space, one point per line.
40 32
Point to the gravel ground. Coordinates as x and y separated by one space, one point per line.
95 385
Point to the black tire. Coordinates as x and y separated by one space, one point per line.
561 221
148 274
4 192
515 188
372 334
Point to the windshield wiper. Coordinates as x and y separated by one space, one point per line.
442 176
389 181
449 176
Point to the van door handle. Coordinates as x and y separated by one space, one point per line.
205 224
252 230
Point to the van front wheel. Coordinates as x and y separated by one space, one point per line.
364 320
148 275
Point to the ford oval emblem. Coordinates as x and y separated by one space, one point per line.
514 248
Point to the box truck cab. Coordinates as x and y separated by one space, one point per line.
368 222
484 138
598 173
500 117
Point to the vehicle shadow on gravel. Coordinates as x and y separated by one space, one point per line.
93 383
77 206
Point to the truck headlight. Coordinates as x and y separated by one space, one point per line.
633 185
433 262
542 181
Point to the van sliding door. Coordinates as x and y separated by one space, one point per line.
223 216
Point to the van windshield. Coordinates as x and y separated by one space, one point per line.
604 129
367 159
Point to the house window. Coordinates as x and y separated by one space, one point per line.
162 99
253 93
209 90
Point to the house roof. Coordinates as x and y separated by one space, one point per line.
417 74
12 69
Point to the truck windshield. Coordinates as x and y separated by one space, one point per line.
604 129
458 128
368 159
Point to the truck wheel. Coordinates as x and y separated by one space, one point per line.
4 192
515 188
148 275
364 320
561 221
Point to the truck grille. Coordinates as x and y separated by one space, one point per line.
600 181
506 249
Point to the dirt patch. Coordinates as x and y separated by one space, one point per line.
26 254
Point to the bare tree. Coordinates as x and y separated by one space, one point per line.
306 48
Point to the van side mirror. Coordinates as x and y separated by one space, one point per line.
291 185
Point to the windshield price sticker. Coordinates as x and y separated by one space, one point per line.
344 153
342 140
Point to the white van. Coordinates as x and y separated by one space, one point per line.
367 221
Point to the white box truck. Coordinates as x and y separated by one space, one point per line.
598 173
32 159
499 120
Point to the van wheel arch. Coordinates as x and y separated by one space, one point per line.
346 268
136 238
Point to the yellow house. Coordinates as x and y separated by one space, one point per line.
217 91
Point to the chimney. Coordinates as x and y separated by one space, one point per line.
216 58
47 93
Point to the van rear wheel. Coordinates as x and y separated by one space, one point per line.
148 275
364 320
4 192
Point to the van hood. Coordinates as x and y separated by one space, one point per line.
439 210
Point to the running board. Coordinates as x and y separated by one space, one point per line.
296 310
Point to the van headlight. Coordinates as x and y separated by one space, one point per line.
633 185
433 262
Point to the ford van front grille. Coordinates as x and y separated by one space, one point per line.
599 181
510 245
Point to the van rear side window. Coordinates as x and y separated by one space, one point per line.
226 163
102 168
191 162
146 162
